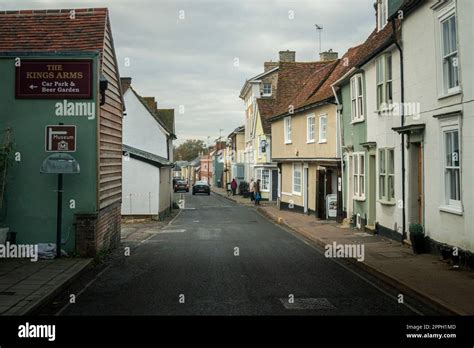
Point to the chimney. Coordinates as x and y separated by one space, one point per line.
287 56
328 55
150 101
125 83
269 65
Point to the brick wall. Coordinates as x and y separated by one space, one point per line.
100 231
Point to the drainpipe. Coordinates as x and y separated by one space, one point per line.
341 144
402 119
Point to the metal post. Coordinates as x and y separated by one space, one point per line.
59 216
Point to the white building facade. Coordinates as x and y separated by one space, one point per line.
147 166
438 47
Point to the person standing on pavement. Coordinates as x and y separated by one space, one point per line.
258 193
233 186
252 190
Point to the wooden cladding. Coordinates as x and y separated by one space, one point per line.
110 131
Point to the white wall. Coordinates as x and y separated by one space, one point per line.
422 82
379 130
140 129
141 188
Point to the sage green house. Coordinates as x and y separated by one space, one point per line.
358 155
61 72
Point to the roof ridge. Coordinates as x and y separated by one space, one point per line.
54 11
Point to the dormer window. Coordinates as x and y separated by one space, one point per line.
382 13
267 89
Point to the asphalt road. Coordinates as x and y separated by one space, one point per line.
192 268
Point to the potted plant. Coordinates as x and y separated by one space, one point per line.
244 189
417 238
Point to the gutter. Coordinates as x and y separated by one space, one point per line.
402 122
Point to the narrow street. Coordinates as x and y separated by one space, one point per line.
195 256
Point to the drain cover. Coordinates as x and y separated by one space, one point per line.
307 303
7 293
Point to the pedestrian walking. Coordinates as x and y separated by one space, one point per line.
233 186
252 190
258 193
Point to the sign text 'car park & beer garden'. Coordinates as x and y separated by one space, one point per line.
54 79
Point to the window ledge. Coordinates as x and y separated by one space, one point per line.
310 142
449 94
357 121
296 194
384 202
359 199
322 142
385 110
287 142
451 209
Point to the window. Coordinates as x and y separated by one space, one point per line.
259 146
264 176
384 81
452 166
387 175
382 11
310 128
297 178
287 130
449 52
358 172
267 89
357 99
323 120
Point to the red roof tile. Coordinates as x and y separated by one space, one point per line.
53 30
295 78
304 84
265 109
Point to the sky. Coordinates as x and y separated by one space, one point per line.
195 55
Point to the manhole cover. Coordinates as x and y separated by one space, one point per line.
307 303
364 234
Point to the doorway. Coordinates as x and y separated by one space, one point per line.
274 190
415 183
321 194
371 194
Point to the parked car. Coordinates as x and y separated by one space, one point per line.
181 185
201 187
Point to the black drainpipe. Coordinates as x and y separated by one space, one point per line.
395 39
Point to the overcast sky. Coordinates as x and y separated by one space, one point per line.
190 61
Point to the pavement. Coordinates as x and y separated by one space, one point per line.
25 286
217 257
424 276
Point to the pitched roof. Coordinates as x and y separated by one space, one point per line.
53 30
373 45
265 109
152 110
295 80
167 116
146 156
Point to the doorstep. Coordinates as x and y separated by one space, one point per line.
423 276
25 286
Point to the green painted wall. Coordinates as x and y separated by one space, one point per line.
354 135
31 200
